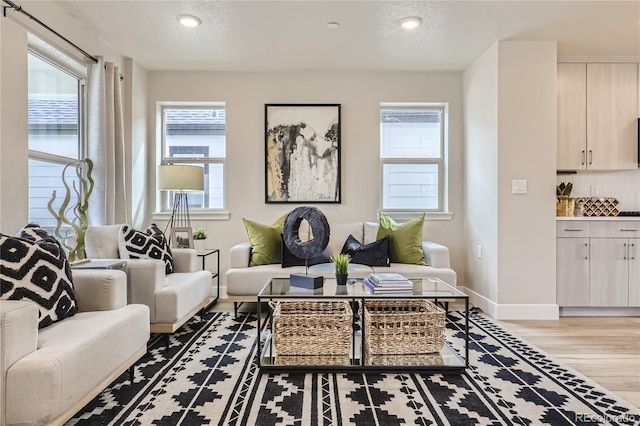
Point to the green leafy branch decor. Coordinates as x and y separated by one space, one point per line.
74 215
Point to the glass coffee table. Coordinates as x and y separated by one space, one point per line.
359 297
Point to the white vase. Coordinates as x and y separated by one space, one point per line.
200 245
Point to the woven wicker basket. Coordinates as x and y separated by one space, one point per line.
403 327
406 359
313 360
565 205
308 327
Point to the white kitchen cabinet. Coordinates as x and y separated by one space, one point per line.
598 263
634 272
608 272
572 273
597 116
572 116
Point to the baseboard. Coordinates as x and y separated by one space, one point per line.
512 311
600 312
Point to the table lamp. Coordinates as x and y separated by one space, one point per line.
181 179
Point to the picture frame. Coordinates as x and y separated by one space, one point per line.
302 153
182 237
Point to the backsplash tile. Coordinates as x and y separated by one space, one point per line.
624 185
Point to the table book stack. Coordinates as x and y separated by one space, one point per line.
387 283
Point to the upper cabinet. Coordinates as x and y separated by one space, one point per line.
597 116
572 116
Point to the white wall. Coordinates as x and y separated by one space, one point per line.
481 174
359 94
527 100
514 139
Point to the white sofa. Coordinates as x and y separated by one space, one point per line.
51 373
244 282
172 299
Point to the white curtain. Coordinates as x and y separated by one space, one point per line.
107 205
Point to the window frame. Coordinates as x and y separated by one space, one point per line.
47 157
440 162
162 197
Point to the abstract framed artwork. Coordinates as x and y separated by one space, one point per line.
302 153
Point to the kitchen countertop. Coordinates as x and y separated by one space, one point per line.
590 218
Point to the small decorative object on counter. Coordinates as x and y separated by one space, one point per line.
341 262
565 204
599 206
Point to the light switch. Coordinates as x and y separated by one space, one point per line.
519 186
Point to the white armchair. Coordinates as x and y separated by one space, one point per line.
172 299
48 374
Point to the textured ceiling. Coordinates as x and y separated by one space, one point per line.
293 35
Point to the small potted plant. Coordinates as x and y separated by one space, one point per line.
565 203
199 235
341 263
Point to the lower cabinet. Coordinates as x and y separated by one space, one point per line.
634 272
598 263
572 272
608 272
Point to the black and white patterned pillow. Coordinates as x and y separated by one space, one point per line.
34 267
150 244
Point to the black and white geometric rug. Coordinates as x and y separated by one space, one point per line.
209 376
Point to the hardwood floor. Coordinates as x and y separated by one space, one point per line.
606 350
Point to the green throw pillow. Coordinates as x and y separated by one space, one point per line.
405 240
266 243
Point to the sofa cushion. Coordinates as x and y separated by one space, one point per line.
370 232
181 293
150 244
34 267
289 259
374 254
266 241
101 242
340 232
405 240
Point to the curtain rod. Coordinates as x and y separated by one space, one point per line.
17 8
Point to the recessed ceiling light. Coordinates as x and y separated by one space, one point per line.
189 21
410 22
333 25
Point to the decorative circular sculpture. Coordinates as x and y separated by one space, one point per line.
319 229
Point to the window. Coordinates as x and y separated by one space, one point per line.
412 157
55 117
196 135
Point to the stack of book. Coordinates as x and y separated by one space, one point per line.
388 283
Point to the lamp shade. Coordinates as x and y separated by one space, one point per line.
180 178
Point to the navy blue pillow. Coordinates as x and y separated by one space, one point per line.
289 259
373 254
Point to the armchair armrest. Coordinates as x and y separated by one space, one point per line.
100 289
185 260
18 335
146 278
239 255
436 255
